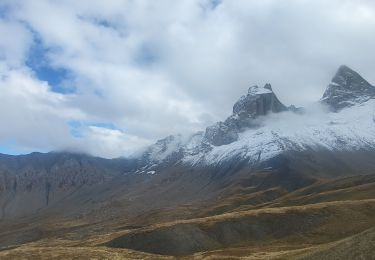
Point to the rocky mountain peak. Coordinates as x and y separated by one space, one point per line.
347 88
259 101
348 78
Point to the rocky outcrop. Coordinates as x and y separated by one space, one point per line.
259 101
347 89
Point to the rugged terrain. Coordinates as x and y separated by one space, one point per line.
269 182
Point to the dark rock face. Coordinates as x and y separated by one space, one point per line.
259 101
346 89
36 181
221 133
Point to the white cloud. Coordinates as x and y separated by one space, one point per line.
14 43
110 143
155 68
32 116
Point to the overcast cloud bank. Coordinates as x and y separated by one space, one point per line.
109 77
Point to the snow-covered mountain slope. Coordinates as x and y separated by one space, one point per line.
261 127
350 129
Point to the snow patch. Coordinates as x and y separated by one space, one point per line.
256 90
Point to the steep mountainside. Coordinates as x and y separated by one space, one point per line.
31 182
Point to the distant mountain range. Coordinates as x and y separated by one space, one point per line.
262 157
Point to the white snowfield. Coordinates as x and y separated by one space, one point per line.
350 129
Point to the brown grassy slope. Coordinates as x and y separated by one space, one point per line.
255 225
360 246
302 232
310 224
348 188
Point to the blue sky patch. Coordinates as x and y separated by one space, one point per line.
38 61
106 125
77 127
4 10
7 147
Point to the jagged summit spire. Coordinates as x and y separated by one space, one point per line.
346 77
346 89
259 101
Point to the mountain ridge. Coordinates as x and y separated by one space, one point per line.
252 111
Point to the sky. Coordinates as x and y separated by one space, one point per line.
113 76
